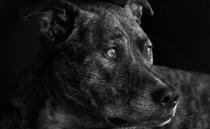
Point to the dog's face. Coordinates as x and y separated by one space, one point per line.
103 66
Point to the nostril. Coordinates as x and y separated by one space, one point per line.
170 100
175 99
165 100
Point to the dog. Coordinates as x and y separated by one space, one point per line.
100 74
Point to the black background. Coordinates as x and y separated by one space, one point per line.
179 30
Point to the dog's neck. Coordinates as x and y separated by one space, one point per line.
58 118
55 119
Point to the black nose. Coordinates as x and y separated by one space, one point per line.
166 97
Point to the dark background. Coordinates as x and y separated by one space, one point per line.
179 30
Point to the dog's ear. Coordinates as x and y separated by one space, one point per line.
136 7
56 19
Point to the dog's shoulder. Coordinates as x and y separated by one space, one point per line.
181 77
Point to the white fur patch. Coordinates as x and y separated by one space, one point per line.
166 122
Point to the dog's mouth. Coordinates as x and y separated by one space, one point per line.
163 120
156 122
117 122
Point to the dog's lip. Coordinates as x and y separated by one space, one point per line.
153 122
162 120
158 122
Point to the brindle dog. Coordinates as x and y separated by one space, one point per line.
100 74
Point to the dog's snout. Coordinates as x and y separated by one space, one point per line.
166 97
169 99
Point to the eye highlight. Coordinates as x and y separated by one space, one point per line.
149 47
111 53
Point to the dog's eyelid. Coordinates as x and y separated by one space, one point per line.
149 45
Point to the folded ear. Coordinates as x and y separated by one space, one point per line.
56 20
137 7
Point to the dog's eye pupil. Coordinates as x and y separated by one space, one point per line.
112 53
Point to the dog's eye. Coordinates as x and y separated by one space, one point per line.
112 53
145 48
149 48
148 53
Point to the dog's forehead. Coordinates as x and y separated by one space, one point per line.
119 23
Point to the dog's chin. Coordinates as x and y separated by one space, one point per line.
158 122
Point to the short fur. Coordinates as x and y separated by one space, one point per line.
100 74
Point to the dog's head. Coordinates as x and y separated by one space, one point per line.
102 64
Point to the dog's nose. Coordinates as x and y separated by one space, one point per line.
166 97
